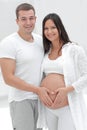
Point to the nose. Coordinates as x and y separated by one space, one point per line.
49 30
28 21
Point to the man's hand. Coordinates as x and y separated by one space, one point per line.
43 94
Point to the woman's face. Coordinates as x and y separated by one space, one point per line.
50 31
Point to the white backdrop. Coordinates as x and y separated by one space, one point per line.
72 12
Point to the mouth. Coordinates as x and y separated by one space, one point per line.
29 27
50 36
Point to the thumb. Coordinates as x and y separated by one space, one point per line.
56 91
49 91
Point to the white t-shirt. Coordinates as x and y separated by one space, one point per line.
28 58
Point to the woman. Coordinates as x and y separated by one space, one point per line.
65 70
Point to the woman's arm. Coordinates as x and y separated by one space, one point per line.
81 60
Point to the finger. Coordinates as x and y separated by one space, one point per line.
48 91
47 101
57 100
56 91
52 92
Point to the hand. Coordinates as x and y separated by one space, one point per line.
61 96
43 94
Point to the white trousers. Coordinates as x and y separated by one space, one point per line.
62 122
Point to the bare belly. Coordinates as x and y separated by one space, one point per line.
53 82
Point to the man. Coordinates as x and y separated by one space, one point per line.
21 55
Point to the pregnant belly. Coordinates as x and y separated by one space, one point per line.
53 82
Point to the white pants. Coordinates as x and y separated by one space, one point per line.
62 122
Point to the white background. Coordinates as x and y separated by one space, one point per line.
72 12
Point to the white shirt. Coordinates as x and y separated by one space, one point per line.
75 74
28 57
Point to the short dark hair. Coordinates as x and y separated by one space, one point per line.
24 6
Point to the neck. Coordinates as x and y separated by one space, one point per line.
56 46
26 37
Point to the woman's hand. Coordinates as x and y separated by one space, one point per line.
60 98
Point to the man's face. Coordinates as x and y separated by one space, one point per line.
26 21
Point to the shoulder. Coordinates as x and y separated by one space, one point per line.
8 42
70 45
73 47
8 39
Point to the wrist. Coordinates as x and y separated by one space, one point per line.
69 89
37 89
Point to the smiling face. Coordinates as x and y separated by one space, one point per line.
51 31
26 21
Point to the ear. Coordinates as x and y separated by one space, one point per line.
35 18
16 21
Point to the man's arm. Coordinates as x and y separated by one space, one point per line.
8 70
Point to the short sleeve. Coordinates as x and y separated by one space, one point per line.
7 49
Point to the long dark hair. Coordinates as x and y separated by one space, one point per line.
61 29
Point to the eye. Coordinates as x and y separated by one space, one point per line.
23 19
54 27
32 18
51 28
45 29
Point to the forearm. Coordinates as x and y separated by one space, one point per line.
20 84
8 68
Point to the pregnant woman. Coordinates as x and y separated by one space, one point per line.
65 75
